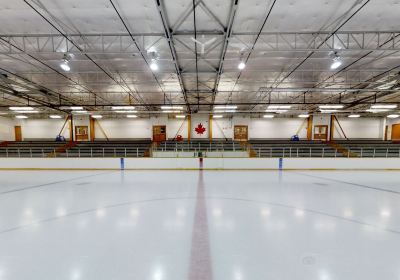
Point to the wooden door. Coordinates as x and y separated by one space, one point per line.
240 132
321 132
386 132
18 133
81 133
159 133
396 132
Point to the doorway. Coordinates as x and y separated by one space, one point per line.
81 133
18 133
240 133
159 133
321 132
396 132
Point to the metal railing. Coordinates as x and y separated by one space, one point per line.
72 153
199 147
268 152
327 152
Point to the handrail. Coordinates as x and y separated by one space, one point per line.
260 151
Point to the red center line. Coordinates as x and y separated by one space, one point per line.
200 257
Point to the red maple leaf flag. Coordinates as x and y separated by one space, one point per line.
200 128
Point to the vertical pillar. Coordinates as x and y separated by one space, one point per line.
309 128
331 128
189 125
92 134
71 128
210 125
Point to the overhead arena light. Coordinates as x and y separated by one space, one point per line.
27 112
180 116
153 57
171 111
21 108
217 116
354 116
276 111
389 106
279 106
97 116
21 117
327 111
335 106
241 65
224 111
131 116
80 112
126 112
337 61
303 115
65 64
225 107
269 116
55 117
394 116
377 110
76 108
123 107
171 107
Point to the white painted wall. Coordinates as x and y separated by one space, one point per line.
123 128
208 163
140 128
367 128
277 128
6 129
42 128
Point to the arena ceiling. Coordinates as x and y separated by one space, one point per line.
287 47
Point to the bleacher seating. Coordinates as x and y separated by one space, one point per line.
120 148
255 147
337 148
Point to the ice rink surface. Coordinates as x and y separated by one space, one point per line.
179 225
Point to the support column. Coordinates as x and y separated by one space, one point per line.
331 128
71 128
189 125
92 134
210 125
309 128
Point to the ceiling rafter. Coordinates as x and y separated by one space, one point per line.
228 34
171 45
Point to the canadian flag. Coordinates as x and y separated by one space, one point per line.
200 126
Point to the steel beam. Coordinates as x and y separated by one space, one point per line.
121 43
228 35
170 39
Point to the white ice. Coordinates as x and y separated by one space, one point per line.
149 225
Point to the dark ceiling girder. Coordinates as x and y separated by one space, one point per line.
228 34
171 45
220 104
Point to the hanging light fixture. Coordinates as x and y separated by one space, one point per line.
241 64
336 61
153 57
65 64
